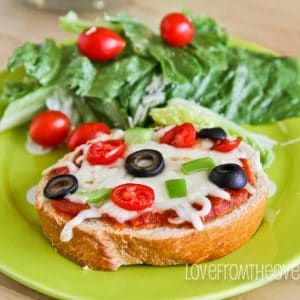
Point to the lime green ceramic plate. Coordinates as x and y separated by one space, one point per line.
26 256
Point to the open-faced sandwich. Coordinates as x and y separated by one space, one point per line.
163 196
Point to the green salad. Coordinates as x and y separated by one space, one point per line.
221 83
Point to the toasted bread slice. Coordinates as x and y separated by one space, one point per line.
97 245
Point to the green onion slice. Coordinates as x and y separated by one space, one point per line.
176 188
197 165
98 195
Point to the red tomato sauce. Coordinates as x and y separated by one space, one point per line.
68 207
59 171
220 207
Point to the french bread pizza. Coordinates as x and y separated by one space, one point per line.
162 196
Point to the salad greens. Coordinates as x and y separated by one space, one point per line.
179 111
241 85
24 108
40 61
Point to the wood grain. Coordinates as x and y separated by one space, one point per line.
274 24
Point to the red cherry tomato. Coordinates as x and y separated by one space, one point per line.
67 207
100 44
226 145
103 153
180 136
86 132
133 196
50 128
176 29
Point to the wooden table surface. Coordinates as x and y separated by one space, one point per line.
274 24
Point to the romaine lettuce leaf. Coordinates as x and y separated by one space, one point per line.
110 112
179 110
24 109
111 77
64 101
253 89
239 84
14 89
40 61
78 75
176 64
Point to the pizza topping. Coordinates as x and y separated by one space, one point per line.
152 172
228 176
60 186
197 165
132 196
59 171
68 207
145 163
104 153
221 207
226 145
216 133
138 135
176 188
248 171
97 196
180 136
67 232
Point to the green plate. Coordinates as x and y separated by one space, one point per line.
26 256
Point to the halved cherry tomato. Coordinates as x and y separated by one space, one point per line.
68 207
248 171
133 196
50 128
180 136
100 44
226 145
103 153
86 132
176 29
221 207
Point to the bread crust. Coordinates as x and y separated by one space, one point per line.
99 246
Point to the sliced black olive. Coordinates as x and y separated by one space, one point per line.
145 163
61 185
228 176
216 133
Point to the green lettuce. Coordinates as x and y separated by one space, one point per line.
78 75
25 108
40 61
179 111
241 85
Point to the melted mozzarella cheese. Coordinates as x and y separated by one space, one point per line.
92 177
67 232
